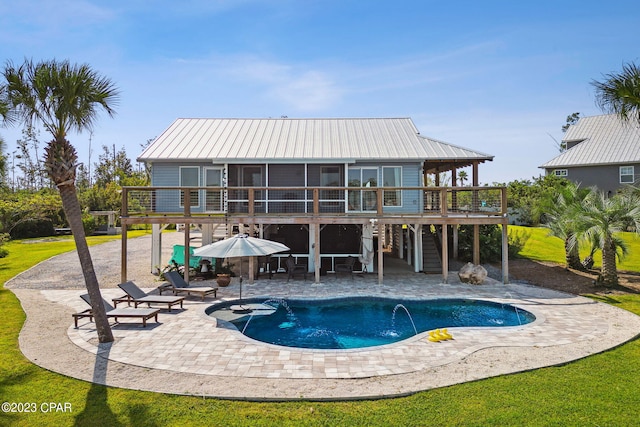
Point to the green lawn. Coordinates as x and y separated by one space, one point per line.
543 247
599 390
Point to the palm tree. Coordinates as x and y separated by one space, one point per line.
560 214
4 103
620 93
462 176
64 97
4 111
600 219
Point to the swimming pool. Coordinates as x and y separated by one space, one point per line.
358 322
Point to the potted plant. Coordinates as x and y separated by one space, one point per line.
224 273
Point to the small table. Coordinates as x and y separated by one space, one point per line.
239 308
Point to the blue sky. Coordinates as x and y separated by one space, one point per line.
498 77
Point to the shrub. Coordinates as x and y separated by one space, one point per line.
4 238
88 223
517 240
30 228
490 243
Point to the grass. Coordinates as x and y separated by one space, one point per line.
543 247
598 390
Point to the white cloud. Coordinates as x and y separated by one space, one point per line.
310 91
299 87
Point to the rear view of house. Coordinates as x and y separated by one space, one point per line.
320 186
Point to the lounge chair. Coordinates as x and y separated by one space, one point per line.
135 313
293 268
138 296
177 285
346 267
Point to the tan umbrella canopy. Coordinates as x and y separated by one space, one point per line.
240 245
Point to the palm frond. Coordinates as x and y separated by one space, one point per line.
619 93
59 95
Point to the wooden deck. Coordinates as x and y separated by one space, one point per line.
317 206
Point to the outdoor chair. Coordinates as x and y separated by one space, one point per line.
293 268
138 296
114 313
178 285
346 267
268 264
178 257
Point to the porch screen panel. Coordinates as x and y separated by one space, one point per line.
252 176
285 198
331 200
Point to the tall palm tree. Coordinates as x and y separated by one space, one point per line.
63 98
462 176
620 93
4 116
560 214
599 219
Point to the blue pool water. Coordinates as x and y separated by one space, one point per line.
360 322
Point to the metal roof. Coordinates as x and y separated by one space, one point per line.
599 140
300 140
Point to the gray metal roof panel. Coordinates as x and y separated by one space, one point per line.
605 140
299 139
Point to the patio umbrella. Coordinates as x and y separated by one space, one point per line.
240 245
367 245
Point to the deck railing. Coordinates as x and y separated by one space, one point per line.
302 201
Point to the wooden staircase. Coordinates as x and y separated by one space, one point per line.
431 262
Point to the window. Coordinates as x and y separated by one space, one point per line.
213 198
561 172
392 177
190 177
626 175
363 200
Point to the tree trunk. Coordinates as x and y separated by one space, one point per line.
73 212
572 256
609 274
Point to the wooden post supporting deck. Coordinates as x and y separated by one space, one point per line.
505 252
476 244
445 253
316 251
381 230
123 252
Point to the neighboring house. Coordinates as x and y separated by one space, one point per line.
316 185
602 151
